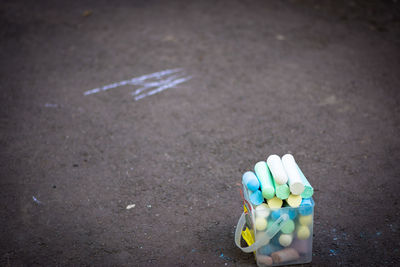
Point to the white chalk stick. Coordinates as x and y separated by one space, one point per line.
278 171
296 185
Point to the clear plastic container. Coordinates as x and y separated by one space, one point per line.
280 237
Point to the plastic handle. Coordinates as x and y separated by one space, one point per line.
269 234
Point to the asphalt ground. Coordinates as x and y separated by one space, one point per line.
318 79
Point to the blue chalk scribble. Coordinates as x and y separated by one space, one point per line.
222 256
332 252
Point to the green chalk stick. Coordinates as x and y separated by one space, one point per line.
282 191
265 178
288 227
308 189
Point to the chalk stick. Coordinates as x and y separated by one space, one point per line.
294 179
264 260
292 214
261 223
302 246
256 197
285 239
282 191
308 189
294 201
278 213
268 249
263 210
289 210
266 181
261 234
270 222
306 220
275 214
278 171
303 232
249 179
306 206
288 227
275 241
287 254
274 203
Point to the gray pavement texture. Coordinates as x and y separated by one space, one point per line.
319 79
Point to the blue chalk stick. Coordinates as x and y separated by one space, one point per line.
250 180
292 214
256 197
269 249
306 206
278 213
275 242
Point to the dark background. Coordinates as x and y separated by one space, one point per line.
319 79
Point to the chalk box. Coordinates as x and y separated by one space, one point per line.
300 249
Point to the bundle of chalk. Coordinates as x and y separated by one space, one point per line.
281 198
276 181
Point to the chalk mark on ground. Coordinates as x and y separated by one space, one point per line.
158 81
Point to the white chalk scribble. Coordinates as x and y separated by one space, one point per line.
161 81
36 200
163 87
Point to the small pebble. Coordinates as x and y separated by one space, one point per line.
280 37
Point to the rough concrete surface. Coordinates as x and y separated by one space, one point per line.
319 79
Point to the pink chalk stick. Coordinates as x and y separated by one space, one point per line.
287 254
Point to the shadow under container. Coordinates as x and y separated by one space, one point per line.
278 237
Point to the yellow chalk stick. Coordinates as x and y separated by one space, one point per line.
305 220
303 232
294 201
275 203
261 223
